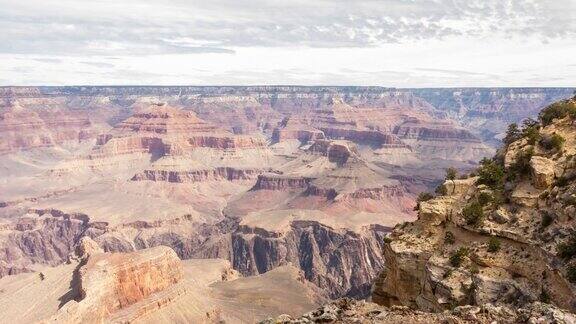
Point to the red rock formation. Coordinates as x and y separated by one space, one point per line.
109 282
161 130
22 128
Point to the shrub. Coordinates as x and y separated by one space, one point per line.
441 190
512 134
567 250
387 239
484 198
449 238
547 219
522 165
498 197
531 131
490 174
553 142
473 213
557 110
42 276
493 245
571 273
562 181
545 296
457 257
423 196
451 173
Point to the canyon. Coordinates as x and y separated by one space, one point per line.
203 204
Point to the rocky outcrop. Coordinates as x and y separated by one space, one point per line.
494 238
542 172
336 151
108 283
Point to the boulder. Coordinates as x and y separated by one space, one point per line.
542 171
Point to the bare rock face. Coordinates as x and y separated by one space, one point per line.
191 176
42 236
279 182
339 262
542 171
111 282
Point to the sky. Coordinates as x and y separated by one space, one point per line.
392 43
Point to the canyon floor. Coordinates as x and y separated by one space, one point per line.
209 204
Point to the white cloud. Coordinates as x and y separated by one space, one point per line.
418 43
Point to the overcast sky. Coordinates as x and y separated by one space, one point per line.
396 43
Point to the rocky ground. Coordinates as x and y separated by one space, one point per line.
355 311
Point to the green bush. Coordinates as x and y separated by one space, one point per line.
449 238
512 134
493 245
547 219
562 181
457 257
567 250
571 273
490 174
553 142
423 196
441 190
485 198
545 296
473 213
531 131
451 173
559 109
521 166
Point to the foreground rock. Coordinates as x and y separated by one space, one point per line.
352 311
505 237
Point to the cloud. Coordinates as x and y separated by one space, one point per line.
144 27
339 42
99 64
